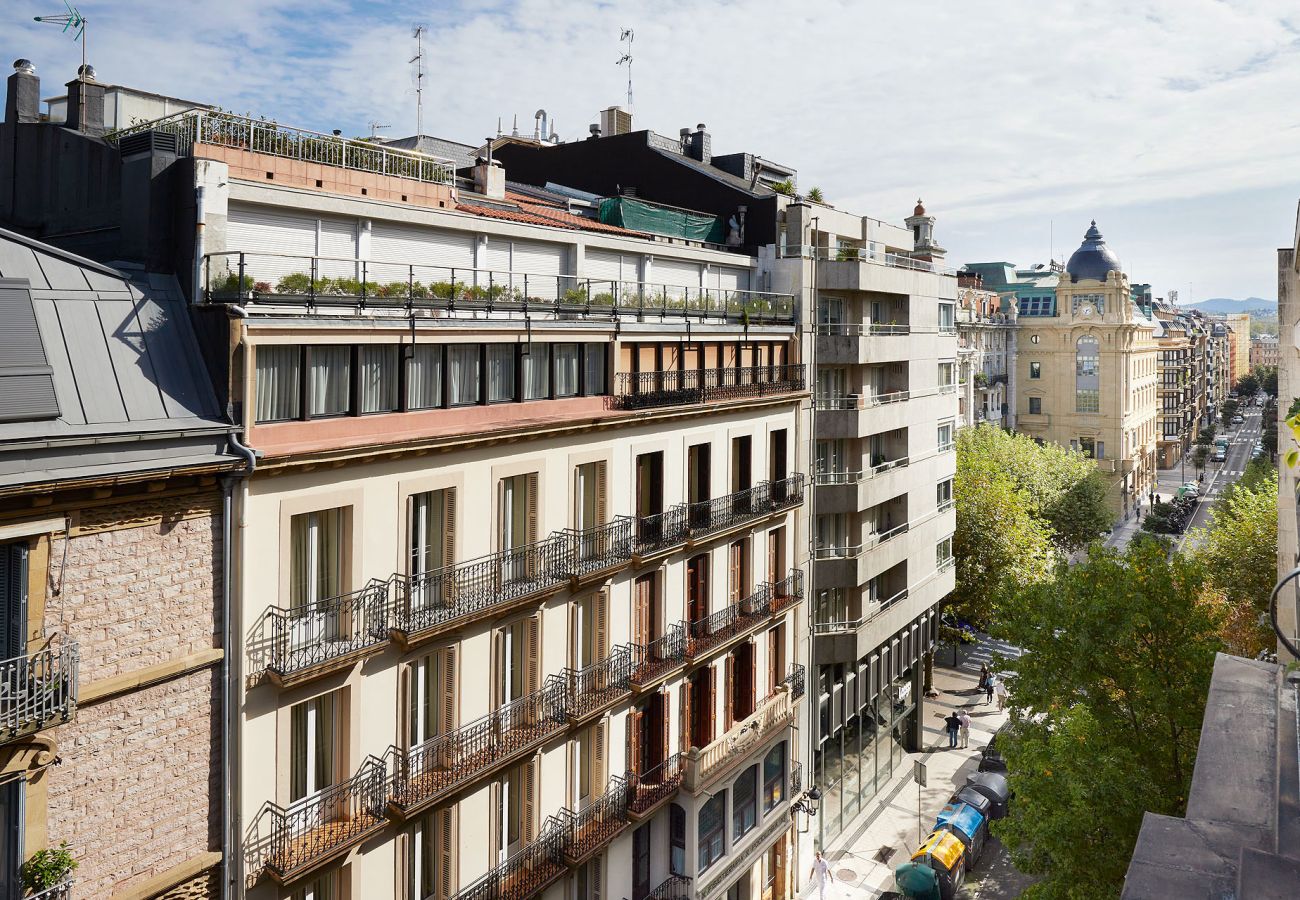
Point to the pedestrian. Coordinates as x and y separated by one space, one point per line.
988 690
821 874
951 724
1000 688
964 718
984 675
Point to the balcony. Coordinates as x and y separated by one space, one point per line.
662 532
592 828
322 636
785 593
528 872
706 766
592 690
432 770
424 606
797 681
652 390
655 661
727 624
593 553
60 891
319 828
862 344
850 625
39 690
677 887
650 789
659 533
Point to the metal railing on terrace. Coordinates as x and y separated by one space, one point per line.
659 657
325 631
715 629
838 626
655 785
333 282
677 887
785 593
592 689
223 129
60 891
861 329
526 873
797 680
647 390
824 478
313 829
872 251
594 826
39 689
430 770
595 549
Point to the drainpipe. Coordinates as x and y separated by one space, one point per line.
229 714
200 221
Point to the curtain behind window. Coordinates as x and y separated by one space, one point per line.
537 373
312 760
595 362
378 378
424 378
329 380
278 383
566 370
463 374
501 372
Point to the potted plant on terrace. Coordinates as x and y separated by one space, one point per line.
47 868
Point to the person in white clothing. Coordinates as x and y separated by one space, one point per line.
1000 688
821 874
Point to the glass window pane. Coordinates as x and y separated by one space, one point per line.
566 370
595 356
462 373
330 381
537 372
279 374
378 378
424 378
501 372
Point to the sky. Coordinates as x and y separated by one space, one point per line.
1170 122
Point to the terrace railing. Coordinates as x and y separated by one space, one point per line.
655 785
873 252
442 764
314 635
528 872
716 629
649 390
38 690
786 592
223 129
677 887
313 829
659 531
593 827
592 689
598 548
659 657
797 681
60 891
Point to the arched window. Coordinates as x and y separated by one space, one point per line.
1087 375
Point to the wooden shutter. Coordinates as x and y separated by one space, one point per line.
528 790
446 821
602 493
406 710
532 635
731 690
448 526
643 610
684 739
661 752
752 675
447 701
597 870
735 574
712 710
532 507
634 740
404 876
599 758
600 611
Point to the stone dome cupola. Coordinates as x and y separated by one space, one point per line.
1093 260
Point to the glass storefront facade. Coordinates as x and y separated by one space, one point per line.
867 716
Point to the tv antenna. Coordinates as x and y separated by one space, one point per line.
75 22
418 59
627 35
375 126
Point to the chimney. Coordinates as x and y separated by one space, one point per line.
86 91
490 179
701 147
595 132
23 94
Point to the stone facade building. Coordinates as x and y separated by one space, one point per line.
112 542
1264 351
986 353
1088 367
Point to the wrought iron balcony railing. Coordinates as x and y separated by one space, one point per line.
787 592
783 493
431 770
660 531
60 891
731 621
797 680
593 827
677 887
423 605
599 548
672 387
651 788
664 654
528 872
38 690
796 778
321 634
593 689
318 827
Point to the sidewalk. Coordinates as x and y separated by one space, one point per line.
863 857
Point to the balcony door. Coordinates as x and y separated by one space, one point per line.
517 662
646 612
590 630
431 539
13 600
516 809
317 547
430 855
698 478
697 588
589 509
315 751
778 464
703 700
740 683
431 693
775 657
738 571
517 526
649 495
742 463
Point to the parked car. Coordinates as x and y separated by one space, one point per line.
1237 420
1189 489
990 758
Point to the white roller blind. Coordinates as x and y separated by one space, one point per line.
409 245
729 279
259 232
537 258
608 265
338 238
675 271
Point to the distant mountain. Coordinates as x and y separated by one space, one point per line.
1224 305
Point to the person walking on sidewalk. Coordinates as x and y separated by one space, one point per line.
964 718
988 689
821 874
952 724
1000 688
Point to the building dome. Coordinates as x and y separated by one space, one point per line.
1093 259
920 210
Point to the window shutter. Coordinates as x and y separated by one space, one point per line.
448 526
712 709
731 690
661 752
600 608
773 653
602 509
735 574
643 610
634 740
752 675
532 635
529 805
406 703
532 507
405 878
447 702
774 555
597 869
599 737
446 821
685 711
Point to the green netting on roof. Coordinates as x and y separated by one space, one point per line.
637 215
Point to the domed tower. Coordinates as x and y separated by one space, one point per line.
1093 260
1096 289
923 243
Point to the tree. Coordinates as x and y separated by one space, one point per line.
1080 514
1107 702
1248 384
1201 456
1207 434
1229 409
1238 550
1159 519
1268 381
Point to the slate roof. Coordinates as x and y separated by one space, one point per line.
133 395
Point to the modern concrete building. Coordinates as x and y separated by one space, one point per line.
986 353
113 455
1264 350
1288 389
1088 370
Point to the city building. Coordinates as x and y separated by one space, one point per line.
1239 344
1218 369
114 462
1177 389
986 352
1288 389
1264 351
1087 371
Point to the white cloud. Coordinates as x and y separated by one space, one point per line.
1003 115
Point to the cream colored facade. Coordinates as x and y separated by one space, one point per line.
1288 388
518 648
1240 337
1264 350
1114 415
986 346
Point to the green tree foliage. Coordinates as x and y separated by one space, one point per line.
1107 702
1268 380
1207 434
1201 456
1248 384
1238 549
1229 409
